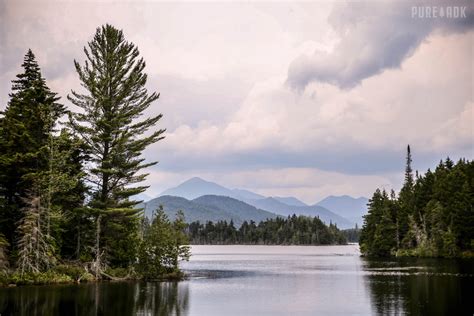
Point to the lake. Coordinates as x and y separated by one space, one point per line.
268 280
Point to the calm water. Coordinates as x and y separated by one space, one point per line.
268 280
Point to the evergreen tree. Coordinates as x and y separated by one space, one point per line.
385 236
433 215
371 220
294 230
70 223
108 124
163 245
406 200
26 128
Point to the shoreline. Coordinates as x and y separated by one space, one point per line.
52 277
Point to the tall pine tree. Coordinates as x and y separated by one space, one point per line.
109 123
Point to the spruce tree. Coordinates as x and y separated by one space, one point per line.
371 220
408 170
110 125
26 127
65 192
406 200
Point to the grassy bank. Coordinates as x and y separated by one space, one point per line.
59 275
421 252
64 274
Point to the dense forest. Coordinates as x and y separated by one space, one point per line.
293 230
352 234
432 215
68 178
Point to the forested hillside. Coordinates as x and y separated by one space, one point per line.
273 205
432 215
207 208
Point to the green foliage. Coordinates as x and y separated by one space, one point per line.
44 216
75 272
4 278
164 244
40 174
38 278
109 125
26 128
4 264
119 272
432 216
60 274
449 249
384 241
352 234
294 230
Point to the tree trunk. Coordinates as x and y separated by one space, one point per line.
78 245
98 263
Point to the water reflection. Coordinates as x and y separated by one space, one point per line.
420 286
107 298
264 280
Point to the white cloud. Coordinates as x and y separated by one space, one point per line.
414 104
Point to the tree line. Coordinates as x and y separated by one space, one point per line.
352 234
431 216
68 178
293 230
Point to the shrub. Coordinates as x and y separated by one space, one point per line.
163 245
37 278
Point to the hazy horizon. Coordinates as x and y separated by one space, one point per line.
308 202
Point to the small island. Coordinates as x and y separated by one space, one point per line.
67 188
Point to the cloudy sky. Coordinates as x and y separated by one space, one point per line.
305 99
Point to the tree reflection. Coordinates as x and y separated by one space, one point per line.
420 286
105 298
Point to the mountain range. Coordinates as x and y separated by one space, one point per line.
346 206
208 201
274 205
196 187
207 208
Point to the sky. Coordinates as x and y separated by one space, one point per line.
304 99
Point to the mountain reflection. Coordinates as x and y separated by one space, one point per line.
420 286
106 298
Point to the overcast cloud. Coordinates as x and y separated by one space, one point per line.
303 99
373 36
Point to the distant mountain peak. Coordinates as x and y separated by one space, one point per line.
195 179
289 200
345 196
341 197
196 187
346 206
